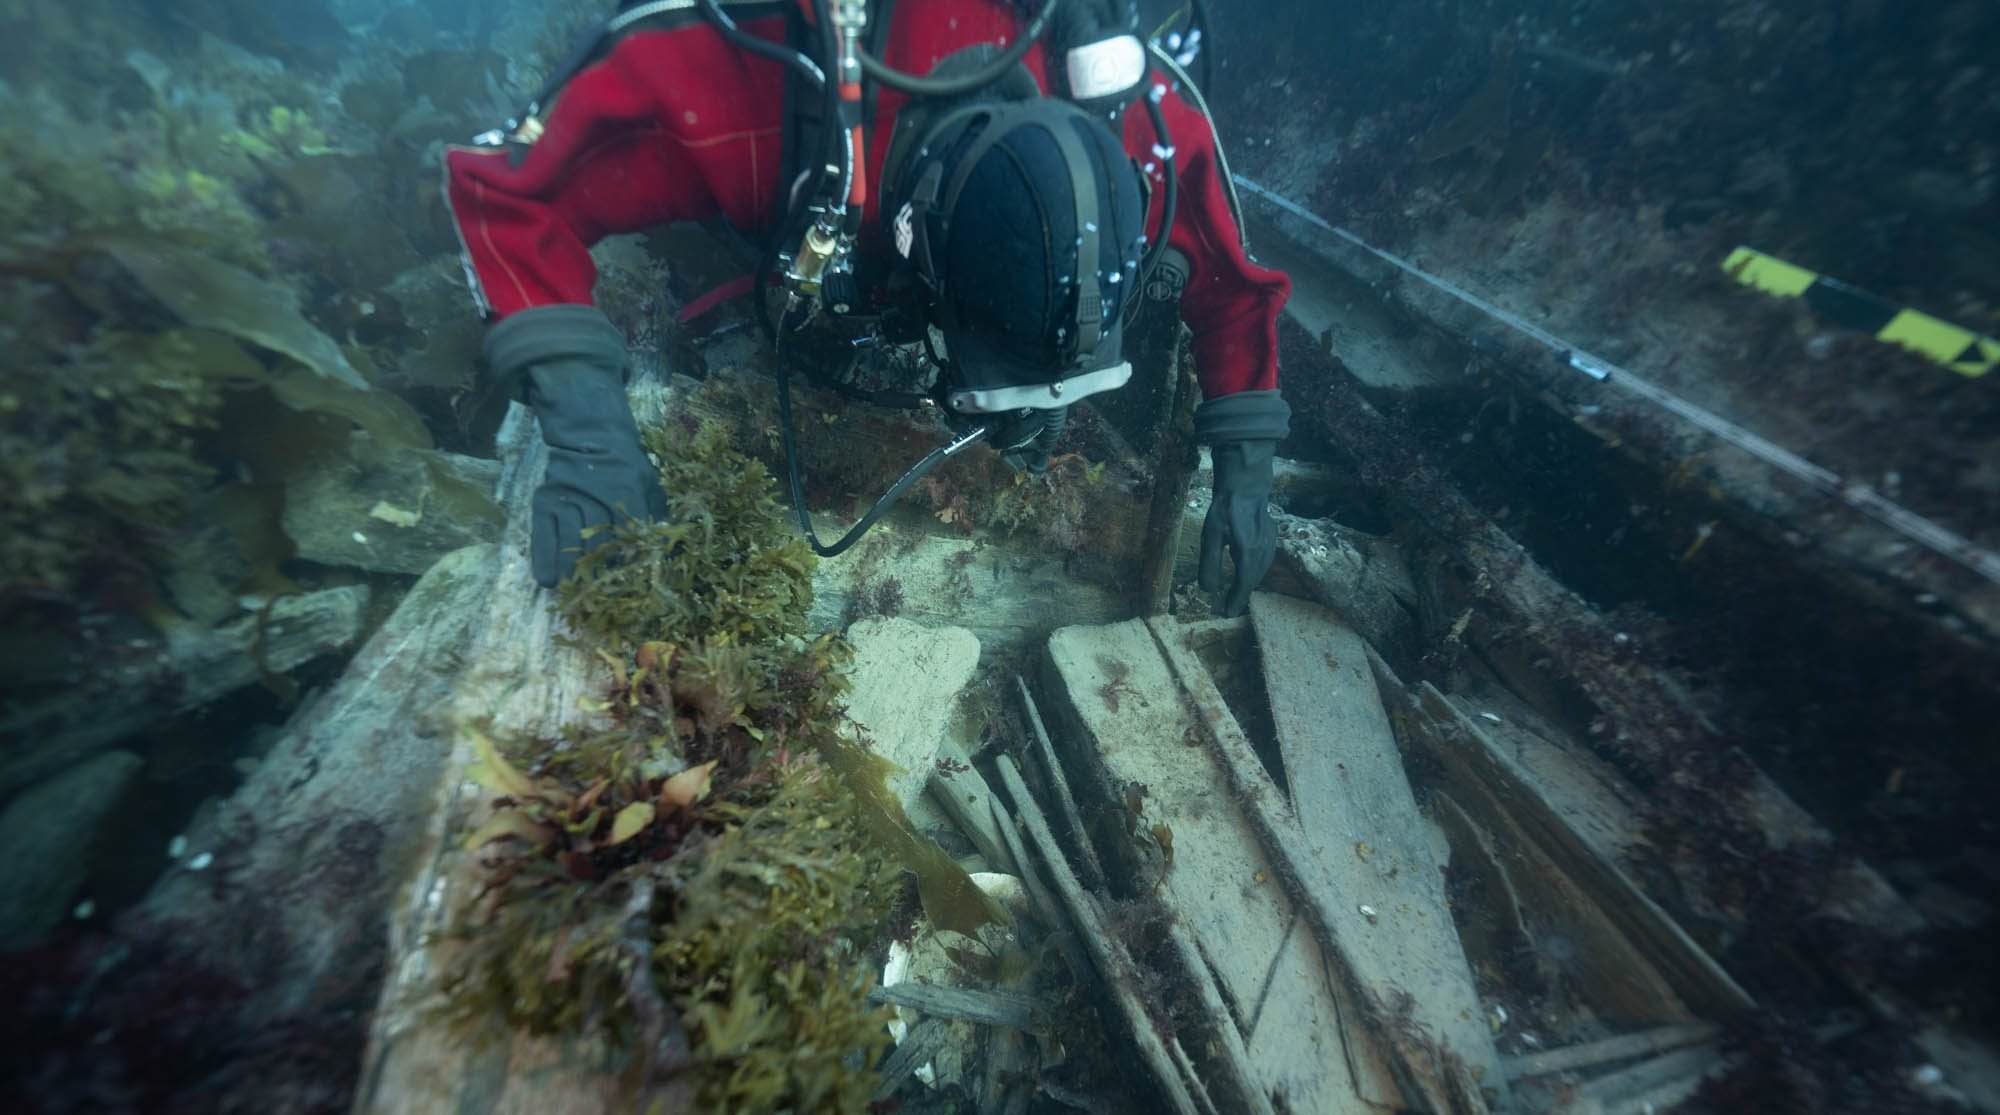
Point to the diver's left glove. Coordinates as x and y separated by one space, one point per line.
1242 432
571 361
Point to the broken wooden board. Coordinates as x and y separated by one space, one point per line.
1605 1051
1357 819
1183 1090
1389 931
519 680
1534 795
1127 727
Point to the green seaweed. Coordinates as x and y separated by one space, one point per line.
210 294
724 566
696 864
852 453
951 899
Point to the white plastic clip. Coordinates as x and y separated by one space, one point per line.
1589 365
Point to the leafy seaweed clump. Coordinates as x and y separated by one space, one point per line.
692 868
724 566
852 453
760 949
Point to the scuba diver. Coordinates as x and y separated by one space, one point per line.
991 185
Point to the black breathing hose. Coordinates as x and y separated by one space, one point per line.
1169 199
796 475
579 56
956 86
764 48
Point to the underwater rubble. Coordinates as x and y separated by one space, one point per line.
1573 760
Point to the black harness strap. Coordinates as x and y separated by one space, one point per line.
933 198
1089 318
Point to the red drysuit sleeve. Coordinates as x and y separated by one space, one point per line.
677 124
672 125
1231 304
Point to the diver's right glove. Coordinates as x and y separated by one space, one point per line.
572 361
1242 432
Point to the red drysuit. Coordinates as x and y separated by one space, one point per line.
676 124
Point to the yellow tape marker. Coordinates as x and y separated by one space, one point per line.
1963 351
1768 273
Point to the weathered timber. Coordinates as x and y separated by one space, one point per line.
517 679
988 1007
1528 791
1235 1058
1500 928
1052 911
1115 964
1134 742
1624 1047
1173 476
1656 716
966 799
1438 1048
1354 817
1656 1084
1093 872
1007 1067
1601 968
912 1053
1855 552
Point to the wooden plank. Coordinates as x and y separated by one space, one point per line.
1302 959
518 677
1623 1047
1355 816
1440 1060
1093 872
912 1053
1108 950
1657 1084
1342 764
966 798
1571 941
1121 707
1520 780
985 1006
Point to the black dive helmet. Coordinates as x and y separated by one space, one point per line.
1021 215
977 242
1023 218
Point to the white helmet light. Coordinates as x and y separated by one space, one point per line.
1106 68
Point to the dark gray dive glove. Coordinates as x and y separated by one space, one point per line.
571 363
1242 432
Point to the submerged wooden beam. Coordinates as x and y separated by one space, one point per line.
1132 741
1093 872
987 1007
1567 815
1120 971
1392 942
1624 1047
